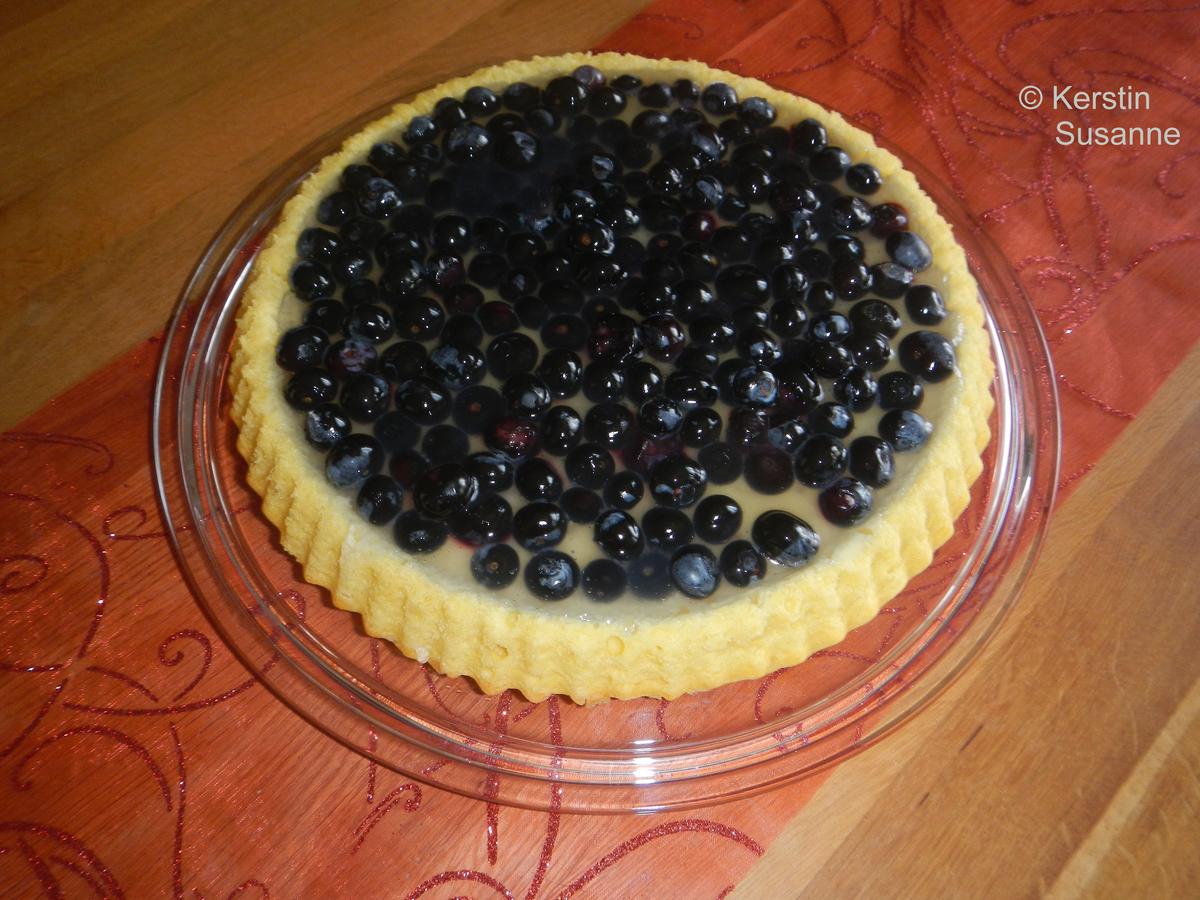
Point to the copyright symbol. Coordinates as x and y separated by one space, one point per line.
1030 96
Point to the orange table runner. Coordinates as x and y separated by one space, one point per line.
138 757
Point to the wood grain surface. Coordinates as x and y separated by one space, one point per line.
129 130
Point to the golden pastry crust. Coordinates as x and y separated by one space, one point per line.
500 646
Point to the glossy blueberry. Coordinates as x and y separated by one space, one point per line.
743 284
353 460
301 347
890 280
319 244
829 163
312 281
494 471
624 490
700 427
417 533
872 461
808 137
537 480
863 178
829 328
615 339
396 431
851 278
650 576
477 407
768 469
608 425
904 429
309 388
786 434
336 208
925 305
495 566
832 419
694 571
717 518
509 354
538 525
677 481
327 315
906 248
869 349
820 460
562 429
365 397
619 535
419 319
927 355
379 499
899 390
603 580
855 388
551 575
490 520
691 390
741 564
513 437
423 400
444 490
754 386
603 382
747 426
445 443
527 396
456 365
497 317
785 538
581 505
846 502
590 466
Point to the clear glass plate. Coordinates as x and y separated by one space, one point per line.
622 756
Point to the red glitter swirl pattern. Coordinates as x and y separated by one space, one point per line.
117 691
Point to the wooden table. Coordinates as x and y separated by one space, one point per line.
129 130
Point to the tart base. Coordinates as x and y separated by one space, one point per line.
503 646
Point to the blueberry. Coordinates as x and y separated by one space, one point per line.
875 316
719 99
713 333
846 502
463 330
747 426
301 347
423 400
477 407
564 331
741 564
694 571
590 466
650 576
786 434
615 339
309 388
904 429
603 382
509 354
849 214
624 490
353 460
562 372
369 322
698 361
365 397
537 480
457 366
609 425
603 580
851 278
756 112
379 499
513 437
700 427
870 350
562 430
754 386
829 360
581 505
445 489
890 280
717 518
497 317
317 244
722 462
618 534
396 431
417 533
925 305
799 391
336 208
352 356
820 460
377 198
419 319
564 95
677 481
768 469
872 461
491 520
328 315
856 389
829 328
521 97
831 419
829 163
643 380
495 471
808 137
445 443
527 396
904 247
784 538
495 566
407 466
743 284
538 525
691 390
927 355
899 390
863 178
551 575
467 143
757 344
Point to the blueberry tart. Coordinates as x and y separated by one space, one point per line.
611 377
